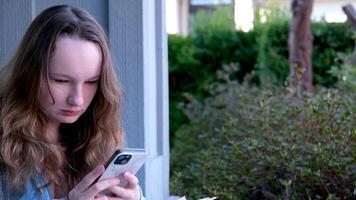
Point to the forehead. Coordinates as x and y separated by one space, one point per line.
76 57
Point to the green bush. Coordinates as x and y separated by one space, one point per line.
272 43
272 66
262 53
183 67
346 74
248 143
209 23
194 60
329 41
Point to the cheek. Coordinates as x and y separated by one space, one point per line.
90 93
58 93
46 98
45 101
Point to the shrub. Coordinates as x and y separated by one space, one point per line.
329 41
272 42
210 23
183 68
263 53
194 60
248 143
346 74
272 66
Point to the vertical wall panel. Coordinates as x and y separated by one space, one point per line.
162 93
14 19
137 29
97 8
125 33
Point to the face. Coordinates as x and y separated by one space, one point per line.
74 74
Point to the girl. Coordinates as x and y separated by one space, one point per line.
60 103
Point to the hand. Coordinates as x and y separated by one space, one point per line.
86 190
129 192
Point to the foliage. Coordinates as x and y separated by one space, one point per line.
272 29
272 62
346 74
261 54
193 60
330 41
210 23
183 67
272 26
248 143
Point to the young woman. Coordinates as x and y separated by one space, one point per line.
60 103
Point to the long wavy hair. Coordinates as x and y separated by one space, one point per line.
86 143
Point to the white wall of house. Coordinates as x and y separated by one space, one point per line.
172 16
177 17
243 14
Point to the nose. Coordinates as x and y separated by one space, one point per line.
76 98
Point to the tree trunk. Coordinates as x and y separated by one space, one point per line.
300 47
350 13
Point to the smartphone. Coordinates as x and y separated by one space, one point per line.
124 160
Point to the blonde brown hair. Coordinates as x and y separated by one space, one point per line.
89 141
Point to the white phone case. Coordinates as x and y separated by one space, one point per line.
137 158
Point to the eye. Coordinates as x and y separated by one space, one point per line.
92 82
60 80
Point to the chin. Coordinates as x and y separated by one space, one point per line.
69 121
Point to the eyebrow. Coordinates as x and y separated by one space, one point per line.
66 76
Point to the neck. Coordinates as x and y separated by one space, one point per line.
52 132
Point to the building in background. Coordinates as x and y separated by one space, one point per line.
328 10
180 12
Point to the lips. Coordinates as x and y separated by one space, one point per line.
70 112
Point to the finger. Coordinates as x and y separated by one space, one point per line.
114 198
101 186
131 180
108 198
102 198
120 192
98 196
90 178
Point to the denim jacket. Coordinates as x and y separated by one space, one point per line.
34 190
